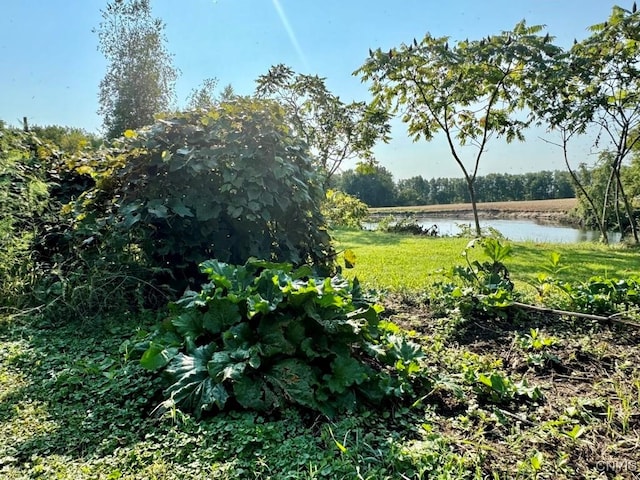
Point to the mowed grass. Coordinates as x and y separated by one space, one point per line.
405 262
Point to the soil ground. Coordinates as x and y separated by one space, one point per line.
588 421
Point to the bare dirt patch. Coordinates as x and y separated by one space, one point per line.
585 425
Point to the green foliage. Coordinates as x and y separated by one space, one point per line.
264 336
343 210
499 388
537 346
494 187
24 196
230 183
67 139
34 181
469 91
40 264
73 408
333 130
592 86
371 183
203 97
407 225
480 288
140 78
600 295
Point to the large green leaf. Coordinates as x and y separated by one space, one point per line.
238 336
346 371
255 393
270 287
189 324
403 349
233 371
179 208
157 356
295 380
256 304
221 313
206 211
219 273
157 208
272 336
191 385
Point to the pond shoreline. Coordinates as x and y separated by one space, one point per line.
558 211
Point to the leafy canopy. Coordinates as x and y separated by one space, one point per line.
469 91
335 131
230 183
595 84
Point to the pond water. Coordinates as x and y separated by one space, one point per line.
516 230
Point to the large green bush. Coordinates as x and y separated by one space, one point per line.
23 196
263 336
231 183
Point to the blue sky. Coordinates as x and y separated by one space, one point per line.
51 68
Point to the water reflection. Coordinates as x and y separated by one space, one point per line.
516 230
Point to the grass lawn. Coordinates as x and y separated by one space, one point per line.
405 262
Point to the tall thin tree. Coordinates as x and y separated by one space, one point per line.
140 77
469 91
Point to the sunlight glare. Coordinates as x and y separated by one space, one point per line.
290 32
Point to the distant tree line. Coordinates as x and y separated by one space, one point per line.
375 186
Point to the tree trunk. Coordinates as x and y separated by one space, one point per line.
605 200
474 206
628 208
601 226
616 206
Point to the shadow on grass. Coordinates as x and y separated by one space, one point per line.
78 399
582 261
366 237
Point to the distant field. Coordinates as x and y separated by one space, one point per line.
563 205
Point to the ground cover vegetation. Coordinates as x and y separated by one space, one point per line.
501 391
164 315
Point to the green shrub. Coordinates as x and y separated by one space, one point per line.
25 211
407 225
263 336
230 184
44 262
343 210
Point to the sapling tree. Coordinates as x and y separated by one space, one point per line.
334 131
469 91
607 64
555 98
595 86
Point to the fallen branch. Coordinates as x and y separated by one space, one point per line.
515 417
600 318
